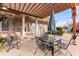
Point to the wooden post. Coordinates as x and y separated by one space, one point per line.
74 24
73 8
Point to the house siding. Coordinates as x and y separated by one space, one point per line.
18 26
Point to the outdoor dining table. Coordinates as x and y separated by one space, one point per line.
59 46
53 41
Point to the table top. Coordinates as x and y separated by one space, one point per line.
57 38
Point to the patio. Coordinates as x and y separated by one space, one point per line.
28 47
23 18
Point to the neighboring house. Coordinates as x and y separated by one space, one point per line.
77 27
69 27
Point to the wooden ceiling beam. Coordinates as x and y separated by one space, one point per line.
45 9
45 13
77 4
30 7
24 6
73 8
19 6
6 4
37 8
34 7
62 7
27 7
18 12
15 6
48 12
45 5
10 5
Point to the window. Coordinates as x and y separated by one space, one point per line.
5 24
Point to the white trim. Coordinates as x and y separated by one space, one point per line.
23 25
36 27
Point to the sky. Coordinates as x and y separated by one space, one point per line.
65 17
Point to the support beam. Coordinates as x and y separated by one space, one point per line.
18 12
74 24
30 27
36 27
23 25
73 8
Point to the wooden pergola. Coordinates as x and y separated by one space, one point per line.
40 10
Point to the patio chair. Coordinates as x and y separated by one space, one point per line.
12 40
62 47
42 45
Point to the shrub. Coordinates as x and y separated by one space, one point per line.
59 28
2 39
59 31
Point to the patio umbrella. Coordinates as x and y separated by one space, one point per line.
51 26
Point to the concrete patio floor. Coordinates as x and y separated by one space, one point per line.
74 49
28 47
